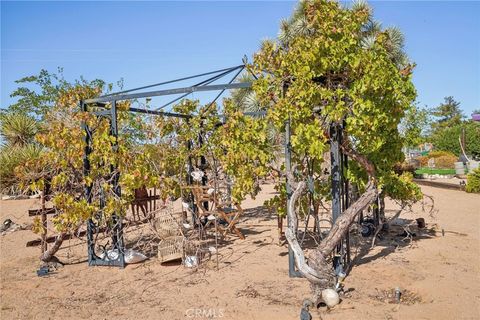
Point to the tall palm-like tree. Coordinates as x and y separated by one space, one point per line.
297 25
247 101
245 98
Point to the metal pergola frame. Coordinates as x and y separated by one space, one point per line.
339 161
111 115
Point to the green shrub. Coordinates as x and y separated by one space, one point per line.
473 181
435 171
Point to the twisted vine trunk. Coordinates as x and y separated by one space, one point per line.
317 270
340 227
48 255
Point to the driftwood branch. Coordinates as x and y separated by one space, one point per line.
308 272
317 271
341 226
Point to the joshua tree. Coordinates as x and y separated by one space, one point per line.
297 25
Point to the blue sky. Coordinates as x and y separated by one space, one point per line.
147 42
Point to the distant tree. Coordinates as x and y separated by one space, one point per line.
37 94
21 122
245 98
447 114
447 139
414 126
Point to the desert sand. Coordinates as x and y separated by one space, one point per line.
438 274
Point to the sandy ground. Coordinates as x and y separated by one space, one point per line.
439 275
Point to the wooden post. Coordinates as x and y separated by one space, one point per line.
150 201
44 222
154 198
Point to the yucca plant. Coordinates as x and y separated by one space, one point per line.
17 162
17 128
240 96
18 150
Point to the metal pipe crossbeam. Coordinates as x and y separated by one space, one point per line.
175 80
223 90
160 113
170 92
202 83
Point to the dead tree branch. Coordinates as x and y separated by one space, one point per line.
308 272
340 227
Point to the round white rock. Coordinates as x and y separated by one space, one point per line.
330 297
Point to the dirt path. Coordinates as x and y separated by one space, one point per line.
438 274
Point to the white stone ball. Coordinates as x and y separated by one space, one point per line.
330 297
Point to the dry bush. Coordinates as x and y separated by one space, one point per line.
438 154
423 160
446 162
443 159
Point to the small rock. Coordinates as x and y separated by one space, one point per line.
330 297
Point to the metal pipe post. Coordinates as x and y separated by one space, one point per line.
336 167
88 188
117 237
